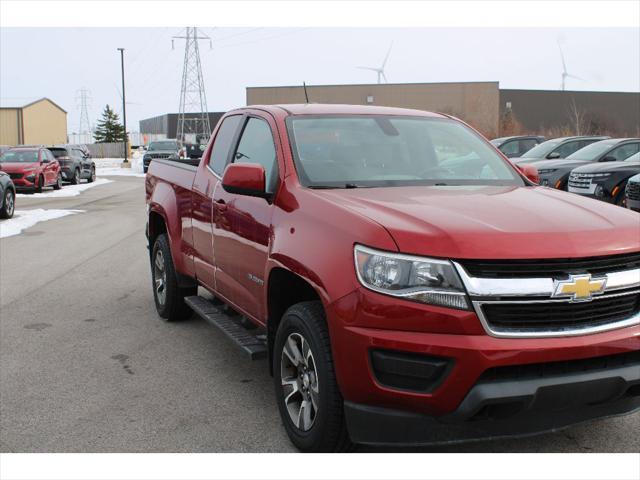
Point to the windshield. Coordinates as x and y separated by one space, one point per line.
376 151
591 152
59 152
541 150
19 156
163 146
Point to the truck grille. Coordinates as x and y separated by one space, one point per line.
580 180
555 268
15 176
561 315
633 191
159 155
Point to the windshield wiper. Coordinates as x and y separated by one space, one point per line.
335 187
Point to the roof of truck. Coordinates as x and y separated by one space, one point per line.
337 109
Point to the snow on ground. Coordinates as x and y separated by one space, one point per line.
23 219
113 167
66 190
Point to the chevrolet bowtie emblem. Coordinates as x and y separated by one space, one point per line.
579 287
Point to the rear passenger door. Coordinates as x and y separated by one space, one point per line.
242 224
207 177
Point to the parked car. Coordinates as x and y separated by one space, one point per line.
31 168
162 149
605 181
7 196
74 163
555 173
4 148
557 148
396 300
517 146
632 192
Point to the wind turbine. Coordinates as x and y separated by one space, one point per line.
380 70
565 74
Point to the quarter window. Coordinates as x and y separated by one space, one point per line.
222 143
256 146
624 151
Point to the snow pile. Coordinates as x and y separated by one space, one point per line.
66 190
23 219
113 167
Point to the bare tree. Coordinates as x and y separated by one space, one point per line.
577 118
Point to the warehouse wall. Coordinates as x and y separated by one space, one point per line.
9 131
475 102
44 123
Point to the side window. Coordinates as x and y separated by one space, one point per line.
256 146
527 144
510 149
568 148
222 143
624 151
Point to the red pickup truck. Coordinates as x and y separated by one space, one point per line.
407 284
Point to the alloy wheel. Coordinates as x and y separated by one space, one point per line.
9 202
160 277
299 378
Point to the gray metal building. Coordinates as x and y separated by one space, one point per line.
166 126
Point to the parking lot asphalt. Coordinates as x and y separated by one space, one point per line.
86 365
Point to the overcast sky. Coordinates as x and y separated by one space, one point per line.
56 62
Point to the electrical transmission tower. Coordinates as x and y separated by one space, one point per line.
193 117
83 99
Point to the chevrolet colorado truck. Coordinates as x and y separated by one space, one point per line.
407 284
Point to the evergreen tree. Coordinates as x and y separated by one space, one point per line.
109 129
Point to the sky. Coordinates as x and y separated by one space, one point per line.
57 62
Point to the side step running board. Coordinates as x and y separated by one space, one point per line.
251 344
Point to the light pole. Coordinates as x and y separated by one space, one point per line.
124 110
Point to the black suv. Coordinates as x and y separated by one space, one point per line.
74 163
161 149
557 148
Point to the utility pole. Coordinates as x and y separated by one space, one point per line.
193 116
83 98
124 110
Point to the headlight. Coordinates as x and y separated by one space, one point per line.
545 171
421 279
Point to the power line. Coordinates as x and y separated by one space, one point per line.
83 100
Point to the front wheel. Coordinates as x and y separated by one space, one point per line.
307 393
40 184
92 176
168 296
75 180
58 184
9 204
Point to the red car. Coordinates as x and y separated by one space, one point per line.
409 285
31 168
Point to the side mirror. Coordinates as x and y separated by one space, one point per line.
608 158
245 179
45 160
553 155
529 171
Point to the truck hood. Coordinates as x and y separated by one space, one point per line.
18 167
603 167
494 222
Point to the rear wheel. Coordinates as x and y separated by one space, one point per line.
76 177
58 184
307 393
168 296
8 204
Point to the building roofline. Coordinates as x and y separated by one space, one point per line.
377 84
33 103
562 91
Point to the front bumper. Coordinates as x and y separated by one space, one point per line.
494 409
633 204
359 324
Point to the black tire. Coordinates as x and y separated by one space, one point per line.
58 184
145 169
92 176
8 204
75 180
172 307
328 432
40 184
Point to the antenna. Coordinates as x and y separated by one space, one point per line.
306 95
193 116
380 70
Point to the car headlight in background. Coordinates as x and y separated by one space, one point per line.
421 279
